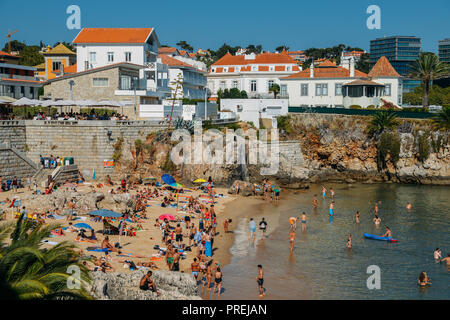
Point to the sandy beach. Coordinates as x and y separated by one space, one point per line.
143 243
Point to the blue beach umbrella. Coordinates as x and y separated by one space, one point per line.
82 225
168 179
105 213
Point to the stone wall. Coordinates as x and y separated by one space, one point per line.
13 160
86 141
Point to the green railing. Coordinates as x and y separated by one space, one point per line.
359 112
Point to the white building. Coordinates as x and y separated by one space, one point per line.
254 110
99 47
328 85
193 79
250 72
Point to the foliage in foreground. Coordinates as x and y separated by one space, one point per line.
28 271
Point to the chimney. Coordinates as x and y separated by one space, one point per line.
311 70
352 67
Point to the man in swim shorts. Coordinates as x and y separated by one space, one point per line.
147 283
260 280
262 227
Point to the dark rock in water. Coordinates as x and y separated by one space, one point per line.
125 286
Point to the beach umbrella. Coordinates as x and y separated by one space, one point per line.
176 185
167 178
169 217
105 213
83 225
200 181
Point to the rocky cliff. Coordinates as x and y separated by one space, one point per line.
324 148
125 286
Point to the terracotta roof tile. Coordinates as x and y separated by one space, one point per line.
263 58
172 62
6 54
327 71
383 68
113 35
167 50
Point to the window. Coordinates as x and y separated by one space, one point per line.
56 65
283 90
321 89
253 86
387 90
100 82
92 56
86 65
127 56
125 83
338 89
269 84
110 56
235 84
304 89
222 85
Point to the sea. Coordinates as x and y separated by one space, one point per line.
321 267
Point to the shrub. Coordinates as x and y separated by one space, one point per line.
117 149
284 123
355 106
423 146
389 144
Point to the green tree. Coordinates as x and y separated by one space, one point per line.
388 145
363 64
185 46
281 48
254 49
28 271
382 120
275 88
426 69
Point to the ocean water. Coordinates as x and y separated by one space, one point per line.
321 267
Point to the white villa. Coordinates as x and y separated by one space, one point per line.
328 85
250 72
100 47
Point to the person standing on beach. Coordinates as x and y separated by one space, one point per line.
315 202
303 221
179 235
260 280
226 223
263 227
324 192
176 261
169 255
292 236
195 268
332 193
218 281
252 229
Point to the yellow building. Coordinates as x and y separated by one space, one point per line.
57 61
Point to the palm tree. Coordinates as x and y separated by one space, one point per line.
428 68
442 119
28 271
275 88
381 121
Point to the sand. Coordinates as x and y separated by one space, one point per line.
144 241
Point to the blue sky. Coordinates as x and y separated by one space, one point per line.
209 23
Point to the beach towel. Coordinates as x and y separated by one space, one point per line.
97 249
50 242
208 250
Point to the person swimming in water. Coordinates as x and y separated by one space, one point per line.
408 206
357 217
437 254
377 220
388 233
446 259
424 279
